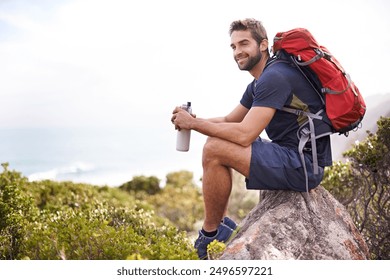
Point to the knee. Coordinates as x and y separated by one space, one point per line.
211 150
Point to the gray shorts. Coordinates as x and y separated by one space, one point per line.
274 167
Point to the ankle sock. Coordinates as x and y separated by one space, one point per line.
209 233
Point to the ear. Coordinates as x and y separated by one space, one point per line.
264 45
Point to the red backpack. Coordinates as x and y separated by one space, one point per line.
344 105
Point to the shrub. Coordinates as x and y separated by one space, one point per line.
149 185
180 201
16 213
63 220
362 185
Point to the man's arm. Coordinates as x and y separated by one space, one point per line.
244 129
237 115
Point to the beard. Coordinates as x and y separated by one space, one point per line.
252 61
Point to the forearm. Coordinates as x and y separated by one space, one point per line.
236 116
217 127
217 120
241 126
240 132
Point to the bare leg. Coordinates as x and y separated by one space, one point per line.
219 157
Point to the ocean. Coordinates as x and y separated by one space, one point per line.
99 156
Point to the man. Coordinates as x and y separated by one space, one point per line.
234 142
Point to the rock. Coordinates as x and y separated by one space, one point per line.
292 225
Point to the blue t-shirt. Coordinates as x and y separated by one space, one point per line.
281 84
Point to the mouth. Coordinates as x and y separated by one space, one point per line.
241 60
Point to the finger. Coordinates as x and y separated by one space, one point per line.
177 109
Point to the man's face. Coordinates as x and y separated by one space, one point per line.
246 51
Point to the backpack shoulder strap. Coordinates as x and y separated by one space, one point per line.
305 134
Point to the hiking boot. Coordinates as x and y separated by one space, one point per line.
224 233
229 222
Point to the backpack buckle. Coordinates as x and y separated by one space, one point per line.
305 131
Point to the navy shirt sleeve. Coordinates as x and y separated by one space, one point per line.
271 90
247 98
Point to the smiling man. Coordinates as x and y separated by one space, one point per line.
234 142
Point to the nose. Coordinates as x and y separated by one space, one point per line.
236 52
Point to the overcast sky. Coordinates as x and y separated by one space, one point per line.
113 62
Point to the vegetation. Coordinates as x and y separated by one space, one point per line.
52 220
142 220
180 201
362 185
215 250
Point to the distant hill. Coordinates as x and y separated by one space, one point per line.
377 106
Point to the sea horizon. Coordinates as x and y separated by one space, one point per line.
98 156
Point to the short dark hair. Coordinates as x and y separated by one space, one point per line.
254 26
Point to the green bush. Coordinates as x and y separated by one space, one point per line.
362 185
16 214
179 201
149 185
215 250
62 220
105 234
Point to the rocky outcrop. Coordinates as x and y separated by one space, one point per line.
293 225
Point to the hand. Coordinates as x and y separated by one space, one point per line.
181 118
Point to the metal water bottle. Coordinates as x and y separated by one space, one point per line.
184 135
